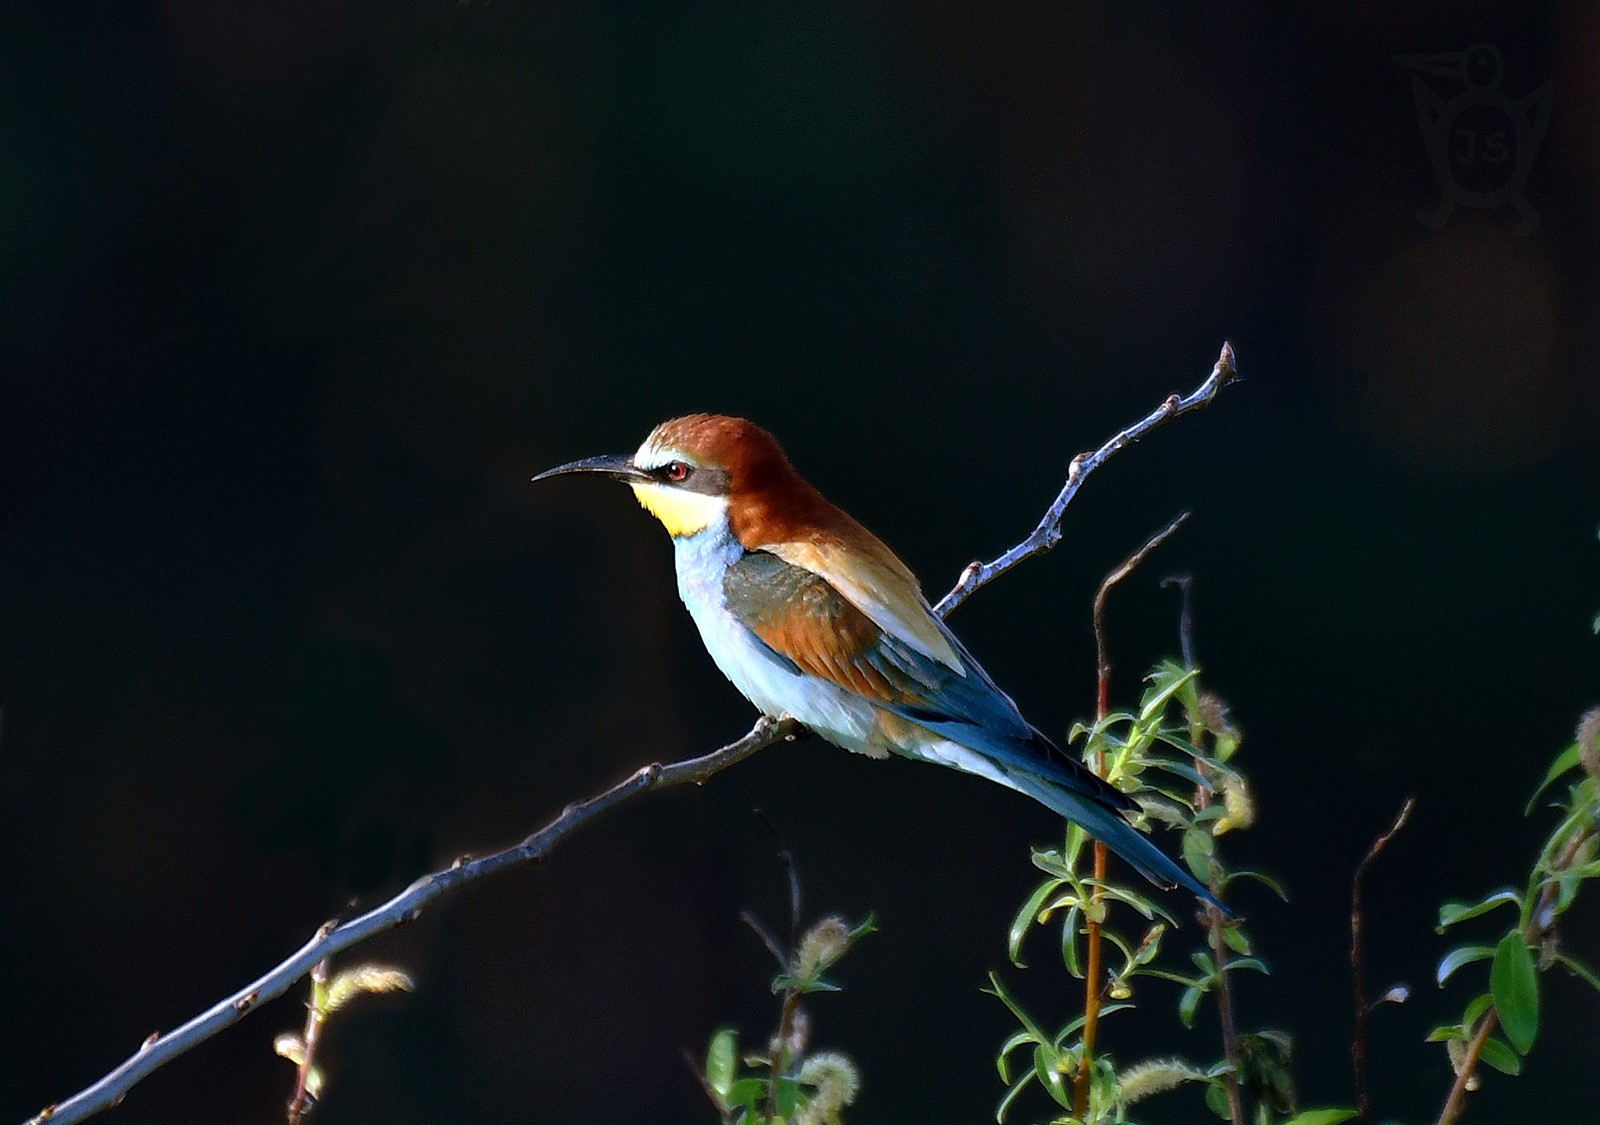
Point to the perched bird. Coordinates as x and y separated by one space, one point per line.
810 615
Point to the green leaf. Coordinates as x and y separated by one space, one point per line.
1183 770
721 1061
788 1099
1069 942
1115 892
1025 917
1479 1005
1188 1003
1459 956
1265 880
1155 700
1111 936
1002 1061
1452 912
1515 985
1217 1101
1046 1066
1197 847
1446 1032
1321 1117
1023 1018
747 1093
1175 978
1073 844
1237 940
1501 1057
1565 761
1075 1025
1050 862
1011 1096
1253 963
802 985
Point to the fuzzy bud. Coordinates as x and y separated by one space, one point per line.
364 979
823 944
289 1046
1155 1076
1241 810
1589 743
835 1082
1213 715
1458 1059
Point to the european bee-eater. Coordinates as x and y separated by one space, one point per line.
810 615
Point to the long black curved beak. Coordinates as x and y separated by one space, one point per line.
617 466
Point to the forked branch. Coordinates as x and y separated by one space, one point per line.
160 1049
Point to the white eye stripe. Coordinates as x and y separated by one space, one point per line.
652 456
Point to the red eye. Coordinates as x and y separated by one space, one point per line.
677 471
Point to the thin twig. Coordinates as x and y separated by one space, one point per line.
1215 929
779 1059
1540 922
1117 574
1102 707
409 903
403 907
1230 1036
793 871
1092 973
1185 587
301 1100
1215 924
1456 1102
1358 1043
1048 533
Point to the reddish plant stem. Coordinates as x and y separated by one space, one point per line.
156 1052
301 1101
1358 1042
780 1050
1539 921
1219 953
1093 969
1213 917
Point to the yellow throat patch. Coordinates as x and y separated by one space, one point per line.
681 513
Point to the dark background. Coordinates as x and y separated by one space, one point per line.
296 295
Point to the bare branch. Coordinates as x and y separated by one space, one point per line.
1048 533
303 1097
1102 661
1184 583
159 1050
1358 1043
1102 705
403 907
1214 923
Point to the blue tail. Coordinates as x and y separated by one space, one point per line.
1106 825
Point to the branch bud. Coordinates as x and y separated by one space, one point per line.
1589 743
1155 1076
1240 809
823 944
836 1082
